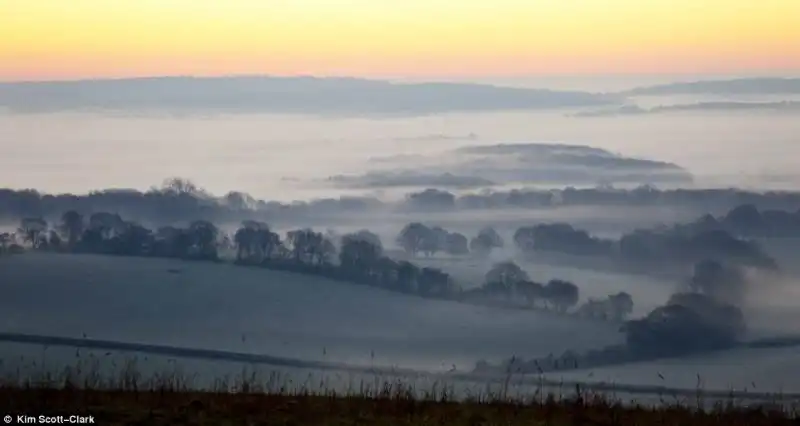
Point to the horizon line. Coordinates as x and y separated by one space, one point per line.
430 78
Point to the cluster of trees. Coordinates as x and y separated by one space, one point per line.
701 318
109 233
704 317
172 202
416 238
747 221
507 283
560 237
672 245
359 257
615 307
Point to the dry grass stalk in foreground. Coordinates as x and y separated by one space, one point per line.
392 404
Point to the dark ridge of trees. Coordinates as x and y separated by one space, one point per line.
178 199
678 245
748 222
172 203
646 195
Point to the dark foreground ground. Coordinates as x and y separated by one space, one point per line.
389 407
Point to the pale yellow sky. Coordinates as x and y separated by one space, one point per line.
55 39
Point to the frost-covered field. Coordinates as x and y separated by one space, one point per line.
752 370
227 307
230 308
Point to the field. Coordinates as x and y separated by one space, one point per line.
308 319
234 308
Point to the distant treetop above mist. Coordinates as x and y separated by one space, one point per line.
514 163
283 95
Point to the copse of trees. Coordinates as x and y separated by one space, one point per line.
642 247
561 237
690 322
748 222
615 307
359 259
417 238
705 317
507 283
486 240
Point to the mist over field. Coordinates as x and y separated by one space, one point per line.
666 167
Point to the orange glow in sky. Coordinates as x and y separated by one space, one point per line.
67 39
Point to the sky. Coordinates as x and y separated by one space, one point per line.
78 39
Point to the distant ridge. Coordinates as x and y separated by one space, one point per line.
738 86
341 95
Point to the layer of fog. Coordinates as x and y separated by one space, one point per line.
254 153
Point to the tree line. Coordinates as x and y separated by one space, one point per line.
678 245
178 198
356 257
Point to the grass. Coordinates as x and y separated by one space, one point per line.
125 397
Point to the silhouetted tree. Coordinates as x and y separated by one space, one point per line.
72 226
359 257
368 236
504 277
310 247
561 294
485 241
415 237
203 235
107 224
621 305
456 244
